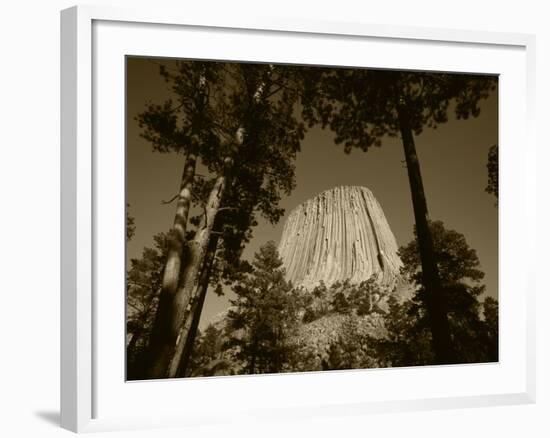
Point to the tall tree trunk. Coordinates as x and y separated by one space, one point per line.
184 349
162 339
183 352
179 326
437 306
177 234
173 319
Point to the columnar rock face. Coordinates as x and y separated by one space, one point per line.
340 234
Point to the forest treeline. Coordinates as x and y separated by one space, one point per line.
272 327
242 126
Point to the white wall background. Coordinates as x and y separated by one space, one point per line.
29 218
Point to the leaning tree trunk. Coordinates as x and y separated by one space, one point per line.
173 319
179 327
174 322
190 276
184 352
161 339
436 301
177 234
184 349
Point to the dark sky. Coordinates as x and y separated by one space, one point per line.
453 162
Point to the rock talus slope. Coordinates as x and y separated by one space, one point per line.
340 234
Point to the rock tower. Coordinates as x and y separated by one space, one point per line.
340 234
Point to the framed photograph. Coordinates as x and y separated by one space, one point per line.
279 218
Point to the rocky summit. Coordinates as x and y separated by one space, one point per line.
339 235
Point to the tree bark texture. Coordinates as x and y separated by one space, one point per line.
177 234
184 348
161 340
172 320
437 307
198 248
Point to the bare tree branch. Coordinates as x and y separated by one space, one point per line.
171 200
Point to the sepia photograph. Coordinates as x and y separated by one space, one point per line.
299 218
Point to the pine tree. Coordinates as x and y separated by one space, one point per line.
143 286
254 168
408 324
186 128
492 171
237 121
264 315
363 105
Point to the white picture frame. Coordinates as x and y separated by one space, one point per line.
93 39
